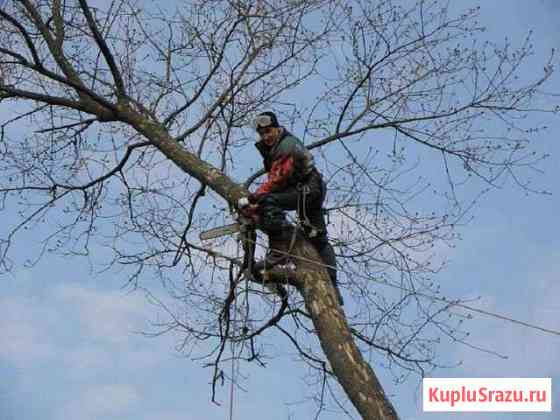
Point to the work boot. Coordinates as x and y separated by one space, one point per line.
277 255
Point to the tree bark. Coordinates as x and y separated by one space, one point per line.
353 373
312 281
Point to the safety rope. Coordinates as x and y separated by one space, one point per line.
447 301
246 239
232 349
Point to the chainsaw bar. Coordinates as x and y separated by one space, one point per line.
220 231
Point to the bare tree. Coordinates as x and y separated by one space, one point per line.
126 123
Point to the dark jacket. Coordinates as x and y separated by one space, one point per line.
287 162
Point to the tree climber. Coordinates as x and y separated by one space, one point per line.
293 183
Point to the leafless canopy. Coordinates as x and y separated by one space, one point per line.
410 117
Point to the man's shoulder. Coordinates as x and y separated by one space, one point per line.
289 142
289 136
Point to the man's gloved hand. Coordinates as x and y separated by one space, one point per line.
251 199
247 209
243 202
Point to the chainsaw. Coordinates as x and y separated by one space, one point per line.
242 225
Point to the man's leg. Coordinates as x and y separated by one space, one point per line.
286 200
310 212
313 214
326 252
280 232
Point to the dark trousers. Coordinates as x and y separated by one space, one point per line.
307 199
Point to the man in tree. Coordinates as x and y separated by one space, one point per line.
293 183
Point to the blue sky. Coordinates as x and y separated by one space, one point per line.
71 349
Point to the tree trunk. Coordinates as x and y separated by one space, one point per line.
352 371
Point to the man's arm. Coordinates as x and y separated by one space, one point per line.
280 172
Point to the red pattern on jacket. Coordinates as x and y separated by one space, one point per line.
279 173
